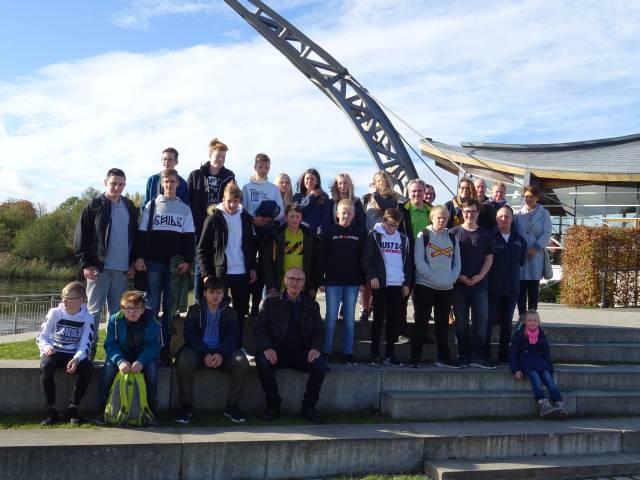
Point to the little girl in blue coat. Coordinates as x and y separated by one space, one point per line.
530 355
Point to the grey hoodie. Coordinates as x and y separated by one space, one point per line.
436 268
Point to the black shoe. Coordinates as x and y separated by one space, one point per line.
52 417
271 414
448 363
374 361
364 316
416 364
484 364
184 415
312 415
349 360
392 361
233 413
71 415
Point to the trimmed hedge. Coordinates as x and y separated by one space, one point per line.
590 250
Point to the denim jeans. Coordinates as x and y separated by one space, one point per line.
471 346
544 377
109 371
501 308
159 281
334 295
108 287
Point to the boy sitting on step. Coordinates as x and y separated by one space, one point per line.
530 355
65 341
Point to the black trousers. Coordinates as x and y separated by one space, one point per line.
387 308
424 300
529 289
296 360
237 289
48 366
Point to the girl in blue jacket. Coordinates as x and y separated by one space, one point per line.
530 356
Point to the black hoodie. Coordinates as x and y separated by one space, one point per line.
199 192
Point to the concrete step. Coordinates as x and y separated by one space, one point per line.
299 451
457 405
535 468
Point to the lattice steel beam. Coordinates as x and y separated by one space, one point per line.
372 124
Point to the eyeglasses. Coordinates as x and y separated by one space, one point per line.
132 309
294 279
391 224
64 299
469 212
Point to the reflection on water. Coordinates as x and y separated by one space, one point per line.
21 286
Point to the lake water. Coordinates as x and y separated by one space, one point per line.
21 287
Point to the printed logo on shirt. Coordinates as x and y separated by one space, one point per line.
257 196
390 247
67 332
345 237
171 222
214 189
437 251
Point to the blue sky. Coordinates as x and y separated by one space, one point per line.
87 85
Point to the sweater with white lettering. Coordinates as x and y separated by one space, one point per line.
67 333
172 231
342 249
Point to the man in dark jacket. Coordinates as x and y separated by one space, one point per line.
289 333
206 186
104 239
211 335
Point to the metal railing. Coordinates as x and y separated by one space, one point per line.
619 287
25 313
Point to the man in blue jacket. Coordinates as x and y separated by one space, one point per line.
211 335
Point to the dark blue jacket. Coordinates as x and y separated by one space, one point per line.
154 189
508 257
529 358
315 216
116 347
228 333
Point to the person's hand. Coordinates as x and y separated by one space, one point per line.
518 375
464 280
136 367
475 279
131 272
406 290
313 355
183 268
217 360
208 360
48 350
72 365
140 266
124 367
90 273
531 252
253 276
271 355
374 283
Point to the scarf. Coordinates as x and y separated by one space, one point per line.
532 335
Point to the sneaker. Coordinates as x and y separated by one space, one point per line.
364 316
271 414
545 409
560 410
349 360
374 361
392 361
71 415
184 415
233 413
51 418
311 414
484 364
247 355
447 363
416 365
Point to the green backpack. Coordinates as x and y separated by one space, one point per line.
127 403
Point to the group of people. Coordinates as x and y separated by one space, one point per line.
265 251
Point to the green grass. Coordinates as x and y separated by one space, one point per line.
28 350
15 267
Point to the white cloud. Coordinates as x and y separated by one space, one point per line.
139 13
489 71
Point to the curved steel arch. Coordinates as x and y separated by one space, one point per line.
373 125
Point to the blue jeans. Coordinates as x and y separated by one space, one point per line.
471 347
540 377
347 294
108 287
501 307
150 372
159 281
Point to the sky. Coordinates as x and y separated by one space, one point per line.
86 85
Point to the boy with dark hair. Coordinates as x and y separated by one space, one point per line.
154 185
65 341
211 335
388 264
103 243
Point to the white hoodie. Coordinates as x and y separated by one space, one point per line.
391 248
67 333
233 250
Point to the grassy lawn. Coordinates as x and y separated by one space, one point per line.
28 350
